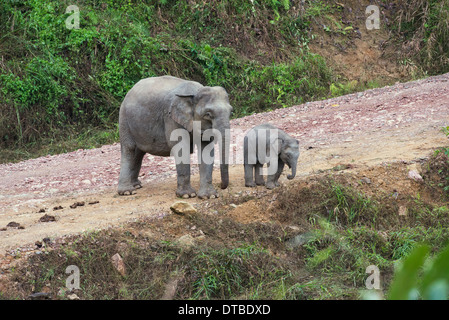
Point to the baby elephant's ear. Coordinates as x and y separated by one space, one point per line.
182 106
277 144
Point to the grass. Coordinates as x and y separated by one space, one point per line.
343 232
63 78
437 169
422 26
75 138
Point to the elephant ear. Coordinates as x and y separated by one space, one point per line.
181 108
277 144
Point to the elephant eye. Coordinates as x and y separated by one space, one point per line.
208 115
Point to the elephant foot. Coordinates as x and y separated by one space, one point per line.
207 193
137 184
260 183
271 185
127 189
185 192
251 184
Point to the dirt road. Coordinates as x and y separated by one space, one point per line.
398 123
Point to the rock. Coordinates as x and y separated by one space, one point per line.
170 289
403 211
147 234
183 208
118 264
186 241
414 175
73 297
366 180
46 289
300 239
233 205
77 204
200 238
47 218
415 167
13 224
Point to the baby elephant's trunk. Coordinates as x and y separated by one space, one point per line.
291 176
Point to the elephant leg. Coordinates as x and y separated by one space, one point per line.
130 163
206 190
249 178
259 174
247 167
184 189
278 173
137 164
272 180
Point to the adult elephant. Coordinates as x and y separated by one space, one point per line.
150 112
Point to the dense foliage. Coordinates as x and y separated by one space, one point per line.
424 25
53 76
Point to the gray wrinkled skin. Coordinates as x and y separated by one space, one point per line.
287 154
155 107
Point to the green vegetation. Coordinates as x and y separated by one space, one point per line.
349 231
424 27
432 284
61 88
316 248
437 169
56 81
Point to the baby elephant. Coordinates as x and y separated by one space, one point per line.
267 144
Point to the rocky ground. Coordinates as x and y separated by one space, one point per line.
71 193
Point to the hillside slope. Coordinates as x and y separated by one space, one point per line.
61 87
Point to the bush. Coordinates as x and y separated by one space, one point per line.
59 77
416 278
425 26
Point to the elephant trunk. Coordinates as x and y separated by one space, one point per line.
224 161
291 176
